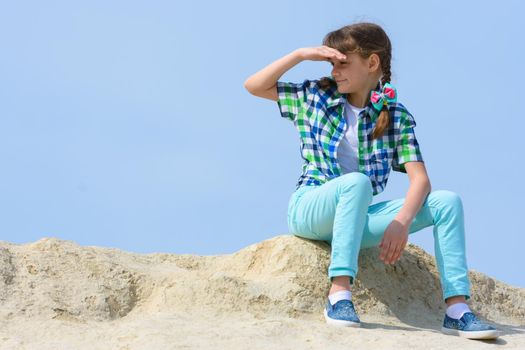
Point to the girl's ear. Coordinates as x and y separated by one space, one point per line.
373 62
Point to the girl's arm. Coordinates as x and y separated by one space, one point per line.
418 190
264 82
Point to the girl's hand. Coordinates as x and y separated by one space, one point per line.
321 53
393 242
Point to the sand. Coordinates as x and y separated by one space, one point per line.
56 294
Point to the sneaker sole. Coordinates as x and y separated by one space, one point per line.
487 334
340 323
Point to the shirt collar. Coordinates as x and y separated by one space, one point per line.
336 98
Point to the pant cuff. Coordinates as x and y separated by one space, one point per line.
342 272
454 292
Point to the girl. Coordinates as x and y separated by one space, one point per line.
353 131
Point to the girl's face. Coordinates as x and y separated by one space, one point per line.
354 74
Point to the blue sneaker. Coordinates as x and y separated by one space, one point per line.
341 313
469 326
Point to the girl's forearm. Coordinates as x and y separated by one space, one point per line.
267 77
416 194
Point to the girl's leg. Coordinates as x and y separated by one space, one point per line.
444 210
335 212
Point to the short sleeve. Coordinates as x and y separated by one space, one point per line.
407 148
291 98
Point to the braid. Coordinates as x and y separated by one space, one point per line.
383 121
386 73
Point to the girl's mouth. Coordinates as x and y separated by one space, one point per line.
340 81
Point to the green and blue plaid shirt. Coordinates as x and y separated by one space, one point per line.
318 115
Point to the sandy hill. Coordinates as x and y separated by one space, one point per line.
56 294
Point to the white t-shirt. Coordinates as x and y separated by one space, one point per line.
347 155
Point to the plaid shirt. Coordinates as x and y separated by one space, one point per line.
318 115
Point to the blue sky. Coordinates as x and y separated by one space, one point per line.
126 124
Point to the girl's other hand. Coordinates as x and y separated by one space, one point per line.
393 242
321 53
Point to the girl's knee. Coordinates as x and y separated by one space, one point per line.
446 198
351 180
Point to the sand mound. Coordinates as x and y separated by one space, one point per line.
56 294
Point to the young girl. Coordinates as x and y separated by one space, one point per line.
353 130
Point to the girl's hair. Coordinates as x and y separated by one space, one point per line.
365 39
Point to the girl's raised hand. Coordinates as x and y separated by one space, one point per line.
321 53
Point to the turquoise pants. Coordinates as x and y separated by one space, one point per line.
340 213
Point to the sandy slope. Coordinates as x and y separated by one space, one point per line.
55 294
